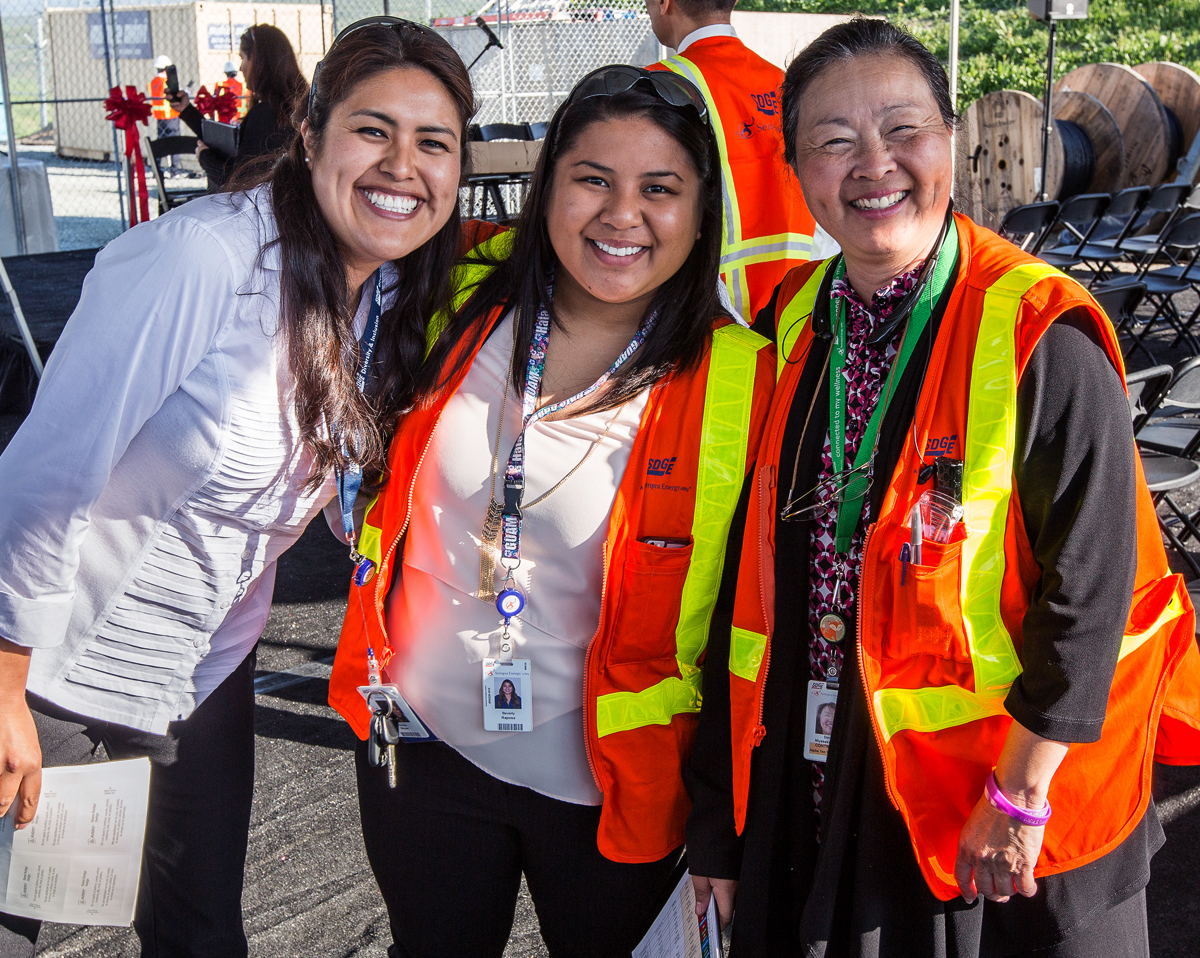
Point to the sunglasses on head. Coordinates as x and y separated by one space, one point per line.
394 22
668 87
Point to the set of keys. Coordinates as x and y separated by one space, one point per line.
384 737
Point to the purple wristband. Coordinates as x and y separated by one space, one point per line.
999 802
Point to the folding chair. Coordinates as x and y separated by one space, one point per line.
1120 302
1164 473
163 147
1164 428
1167 203
489 183
1026 225
1163 285
1102 247
1079 216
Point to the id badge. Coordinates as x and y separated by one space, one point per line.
507 696
818 720
412 729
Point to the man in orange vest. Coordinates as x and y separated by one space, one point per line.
768 228
168 119
234 86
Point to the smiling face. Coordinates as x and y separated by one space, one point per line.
873 157
623 212
507 690
386 167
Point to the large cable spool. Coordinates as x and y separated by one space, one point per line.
1179 89
998 156
1138 112
1093 148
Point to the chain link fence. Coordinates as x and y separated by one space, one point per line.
60 61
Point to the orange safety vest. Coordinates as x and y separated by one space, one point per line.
234 86
768 229
643 667
938 655
159 107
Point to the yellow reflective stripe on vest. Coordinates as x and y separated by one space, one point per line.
1132 641
766 249
370 539
735 275
467 276
795 317
728 401
746 650
988 449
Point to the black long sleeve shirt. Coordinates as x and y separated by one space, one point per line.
260 133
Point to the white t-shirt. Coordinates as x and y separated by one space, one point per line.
434 597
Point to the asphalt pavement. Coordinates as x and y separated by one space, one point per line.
309 889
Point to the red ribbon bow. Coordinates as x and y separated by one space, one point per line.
225 103
126 112
204 101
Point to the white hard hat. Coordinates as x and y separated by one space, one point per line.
162 62
229 67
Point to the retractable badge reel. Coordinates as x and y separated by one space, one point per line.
507 685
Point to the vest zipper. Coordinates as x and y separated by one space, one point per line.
865 588
588 719
387 558
768 473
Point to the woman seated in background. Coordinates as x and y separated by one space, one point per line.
276 88
952 539
190 423
557 512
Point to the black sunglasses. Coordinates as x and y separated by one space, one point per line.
618 78
394 22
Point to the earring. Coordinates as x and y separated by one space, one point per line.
308 161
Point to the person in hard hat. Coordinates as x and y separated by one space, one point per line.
768 228
276 85
160 107
234 86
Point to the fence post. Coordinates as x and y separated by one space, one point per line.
108 72
13 179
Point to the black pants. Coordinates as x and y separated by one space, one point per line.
201 786
448 846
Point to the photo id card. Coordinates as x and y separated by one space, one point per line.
507 696
412 729
818 721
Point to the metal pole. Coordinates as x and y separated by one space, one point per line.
108 73
22 325
41 68
954 5
1048 113
13 179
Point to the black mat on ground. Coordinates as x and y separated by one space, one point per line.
48 286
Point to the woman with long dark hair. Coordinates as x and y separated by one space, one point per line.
276 88
558 505
229 366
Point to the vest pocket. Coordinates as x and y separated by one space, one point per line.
648 608
927 616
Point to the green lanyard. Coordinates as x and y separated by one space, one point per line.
855 489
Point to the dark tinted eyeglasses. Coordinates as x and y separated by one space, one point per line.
669 87
394 22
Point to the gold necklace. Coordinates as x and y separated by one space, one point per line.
490 536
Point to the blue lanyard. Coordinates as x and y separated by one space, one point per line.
514 473
350 480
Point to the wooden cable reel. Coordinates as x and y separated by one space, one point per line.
1179 89
1139 113
998 156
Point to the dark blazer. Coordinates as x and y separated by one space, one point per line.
515 704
